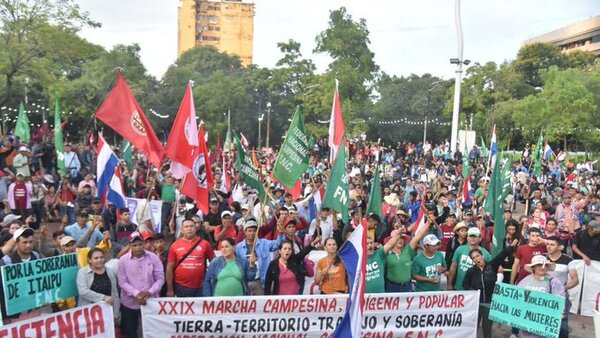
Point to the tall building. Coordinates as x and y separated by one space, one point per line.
226 24
583 35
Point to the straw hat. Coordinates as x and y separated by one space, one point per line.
539 260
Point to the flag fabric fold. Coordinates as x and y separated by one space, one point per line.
493 149
294 156
198 182
183 137
336 194
537 168
110 182
58 140
496 208
247 171
121 112
22 128
336 125
375 200
354 257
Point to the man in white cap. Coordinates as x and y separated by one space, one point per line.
24 241
461 261
226 229
21 162
428 266
262 253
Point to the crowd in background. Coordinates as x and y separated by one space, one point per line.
243 247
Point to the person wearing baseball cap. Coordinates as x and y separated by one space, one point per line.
428 266
23 252
586 245
21 162
461 260
141 276
260 249
226 229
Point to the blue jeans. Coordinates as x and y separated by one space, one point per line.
395 287
69 211
183 292
564 328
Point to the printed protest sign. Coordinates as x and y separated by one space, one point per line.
431 314
532 311
94 320
29 285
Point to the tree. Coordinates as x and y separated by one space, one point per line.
347 42
28 31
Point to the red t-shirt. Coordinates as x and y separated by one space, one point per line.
229 233
20 196
447 234
525 253
190 273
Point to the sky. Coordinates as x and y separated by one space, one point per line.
407 36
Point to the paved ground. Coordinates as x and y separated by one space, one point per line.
579 327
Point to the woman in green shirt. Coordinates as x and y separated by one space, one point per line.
398 261
228 275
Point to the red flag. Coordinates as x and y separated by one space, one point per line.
183 137
244 140
336 125
198 182
122 113
225 179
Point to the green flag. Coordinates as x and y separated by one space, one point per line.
58 140
506 178
484 149
537 169
227 146
337 196
375 200
465 163
495 194
294 155
127 153
247 171
22 127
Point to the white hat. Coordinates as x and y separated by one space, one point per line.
22 231
245 206
226 213
9 218
539 260
23 148
250 223
431 239
66 240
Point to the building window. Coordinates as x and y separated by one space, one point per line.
208 38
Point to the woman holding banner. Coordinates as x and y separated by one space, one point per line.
97 283
540 280
331 271
285 275
483 276
228 275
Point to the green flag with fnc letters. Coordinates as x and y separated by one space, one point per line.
294 155
337 196
247 171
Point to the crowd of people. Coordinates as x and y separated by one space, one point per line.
243 247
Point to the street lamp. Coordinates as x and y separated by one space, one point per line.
260 119
268 122
458 61
431 87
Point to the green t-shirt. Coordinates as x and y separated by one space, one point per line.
478 193
463 260
168 193
375 272
398 266
427 267
229 281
